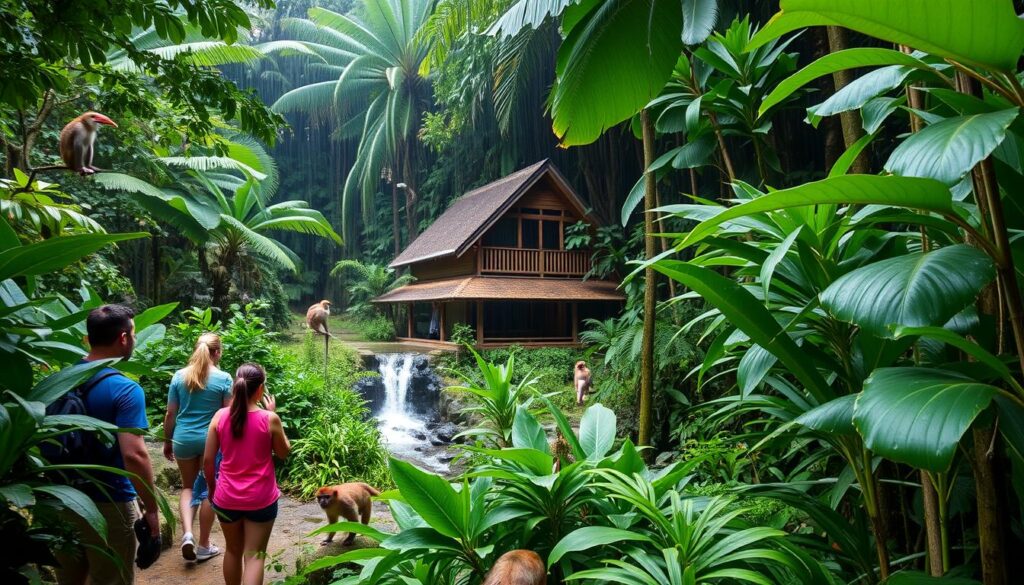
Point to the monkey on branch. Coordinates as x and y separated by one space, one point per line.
77 140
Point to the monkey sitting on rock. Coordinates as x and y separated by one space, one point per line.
350 501
517 567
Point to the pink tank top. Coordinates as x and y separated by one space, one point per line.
246 481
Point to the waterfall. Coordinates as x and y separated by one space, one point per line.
403 429
395 371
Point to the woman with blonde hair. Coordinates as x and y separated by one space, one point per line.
196 393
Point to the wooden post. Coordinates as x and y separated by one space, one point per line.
409 321
574 315
479 258
441 318
479 323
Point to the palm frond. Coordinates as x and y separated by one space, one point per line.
209 163
262 245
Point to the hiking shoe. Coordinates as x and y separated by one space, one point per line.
188 547
205 554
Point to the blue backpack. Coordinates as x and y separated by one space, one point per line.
74 446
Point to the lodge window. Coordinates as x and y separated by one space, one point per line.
504 234
530 228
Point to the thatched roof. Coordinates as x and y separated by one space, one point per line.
504 288
471 215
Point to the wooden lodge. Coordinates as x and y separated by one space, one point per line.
496 261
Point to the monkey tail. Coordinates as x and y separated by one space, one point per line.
371 490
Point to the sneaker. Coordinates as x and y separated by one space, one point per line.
188 547
205 554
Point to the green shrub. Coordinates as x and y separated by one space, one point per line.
463 335
380 328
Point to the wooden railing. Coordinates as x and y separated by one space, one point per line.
534 262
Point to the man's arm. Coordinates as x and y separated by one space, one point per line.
130 409
136 461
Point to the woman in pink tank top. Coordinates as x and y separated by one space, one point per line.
244 493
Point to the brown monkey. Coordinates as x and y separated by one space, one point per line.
517 567
560 451
77 139
350 501
581 380
316 318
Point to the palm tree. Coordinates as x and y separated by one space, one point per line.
222 204
369 67
373 281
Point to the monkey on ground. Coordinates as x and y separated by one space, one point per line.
77 139
350 501
316 318
581 381
517 567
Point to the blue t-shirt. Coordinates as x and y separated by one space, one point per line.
196 408
120 401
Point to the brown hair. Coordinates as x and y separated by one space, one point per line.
197 372
248 379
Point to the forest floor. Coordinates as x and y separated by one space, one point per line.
289 547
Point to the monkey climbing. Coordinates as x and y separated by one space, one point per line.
77 140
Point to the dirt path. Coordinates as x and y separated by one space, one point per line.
288 542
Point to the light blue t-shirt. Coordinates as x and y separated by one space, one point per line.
196 408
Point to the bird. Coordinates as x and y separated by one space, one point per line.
316 318
77 139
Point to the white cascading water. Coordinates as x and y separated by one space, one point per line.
398 424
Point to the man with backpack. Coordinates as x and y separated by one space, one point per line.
114 398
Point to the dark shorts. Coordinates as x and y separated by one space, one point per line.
231 516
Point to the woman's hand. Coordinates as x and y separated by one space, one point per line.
268 402
169 450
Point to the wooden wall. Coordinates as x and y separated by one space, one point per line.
446 267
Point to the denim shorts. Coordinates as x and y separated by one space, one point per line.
231 516
199 490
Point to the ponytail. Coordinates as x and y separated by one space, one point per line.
248 380
197 372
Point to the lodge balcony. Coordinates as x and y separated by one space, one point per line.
527 262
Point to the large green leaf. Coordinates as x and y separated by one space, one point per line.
949 149
527 432
999 369
59 383
926 194
744 311
835 417
597 431
980 32
432 497
55 253
590 536
838 61
620 50
699 17
915 290
78 503
153 314
918 415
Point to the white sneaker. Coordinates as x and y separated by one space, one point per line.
188 547
205 554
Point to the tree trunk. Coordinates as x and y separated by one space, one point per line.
647 352
396 232
931 525
853 129
991 527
